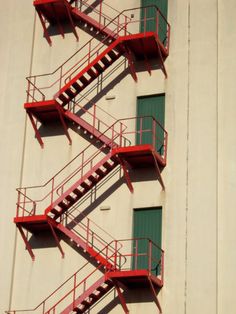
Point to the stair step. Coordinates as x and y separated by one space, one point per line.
94 296
113 55
84 80
70 198
105 61
86 303
76 86
98 67
85 185
100 172
78 192
63 98
92 73
63 205
92 179
107 165
70 93
55 211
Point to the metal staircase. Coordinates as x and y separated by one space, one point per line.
49 206
134 267
49 95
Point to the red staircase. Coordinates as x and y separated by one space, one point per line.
61 12
89 62
36 213
123 263
139 267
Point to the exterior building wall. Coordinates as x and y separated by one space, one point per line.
198 233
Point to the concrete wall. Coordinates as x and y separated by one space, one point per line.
198 203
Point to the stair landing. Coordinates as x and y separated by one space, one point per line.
135 278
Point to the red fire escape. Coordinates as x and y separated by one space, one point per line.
52 97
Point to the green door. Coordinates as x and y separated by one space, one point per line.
154 106
147 223
150 15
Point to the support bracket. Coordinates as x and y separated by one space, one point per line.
121 297
58 21
35 129
163 68
158 172
64 124
42 20
129 57
145 58
126 174
28 246
155 296
71 22
57 240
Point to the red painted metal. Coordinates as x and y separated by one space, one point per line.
63 190
76 295
38 88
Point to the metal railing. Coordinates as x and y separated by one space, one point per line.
136 254
29 200
41 87
35 199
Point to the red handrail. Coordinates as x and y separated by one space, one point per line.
76 288
118 135
90 50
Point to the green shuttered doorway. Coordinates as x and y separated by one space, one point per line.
150 16
147 223
153 105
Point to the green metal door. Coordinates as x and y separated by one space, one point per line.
147 223
154 106
150 16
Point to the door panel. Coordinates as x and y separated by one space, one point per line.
147 223
154 106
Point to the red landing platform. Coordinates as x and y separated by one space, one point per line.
140 156
135 278
33 224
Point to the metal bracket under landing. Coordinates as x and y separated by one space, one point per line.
59 23
25 239
124 166
158 172
121 297
128 55
147 64
163 68
37 134
155 296
56 239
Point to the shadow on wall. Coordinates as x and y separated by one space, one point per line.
133 295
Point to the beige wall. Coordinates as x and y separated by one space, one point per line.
198 204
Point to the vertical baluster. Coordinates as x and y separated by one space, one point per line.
74 288
149 256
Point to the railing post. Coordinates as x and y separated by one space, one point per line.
60 80
141 130
162 267
126 25
18 204
94 116
157 21
74 290
100 13
52 191
115 259
154 133
149 256
145 20
87 231
121 131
